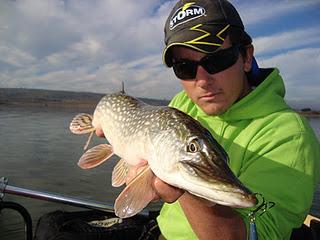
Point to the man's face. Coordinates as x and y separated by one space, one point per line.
215 93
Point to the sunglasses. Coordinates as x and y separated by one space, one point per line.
212 63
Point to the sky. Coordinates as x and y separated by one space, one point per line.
94 45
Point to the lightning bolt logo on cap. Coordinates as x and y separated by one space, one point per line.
187 12
206 34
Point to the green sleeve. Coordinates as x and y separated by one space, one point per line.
284 168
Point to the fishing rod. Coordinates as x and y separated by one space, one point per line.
52 197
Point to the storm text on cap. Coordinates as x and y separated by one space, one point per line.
184 15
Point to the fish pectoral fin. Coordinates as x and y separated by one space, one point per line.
119 173
81 124
136 195
95 156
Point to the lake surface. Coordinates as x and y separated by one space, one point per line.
39 152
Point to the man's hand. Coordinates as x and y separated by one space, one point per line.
208 222
165 191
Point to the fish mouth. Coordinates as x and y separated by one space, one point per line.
219 180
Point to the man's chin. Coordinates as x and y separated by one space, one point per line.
212 109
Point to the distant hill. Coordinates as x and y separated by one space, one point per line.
312 104
54 98
40 97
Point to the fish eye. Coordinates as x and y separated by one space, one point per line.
193 146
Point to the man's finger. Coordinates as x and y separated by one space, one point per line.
168 193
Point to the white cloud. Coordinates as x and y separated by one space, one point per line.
146 77
88 46
94 45
253 12
286 40
15 56
300 71
40 9
67 44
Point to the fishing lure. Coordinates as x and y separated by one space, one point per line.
261 209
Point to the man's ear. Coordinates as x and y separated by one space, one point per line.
247 64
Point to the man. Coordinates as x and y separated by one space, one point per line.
272 150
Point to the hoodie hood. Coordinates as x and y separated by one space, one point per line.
265 99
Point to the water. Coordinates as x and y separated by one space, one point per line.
315 123
38 152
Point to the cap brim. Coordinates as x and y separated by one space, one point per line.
167 55
206 38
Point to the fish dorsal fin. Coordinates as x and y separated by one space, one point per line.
119 173
137 195
122 88
95 156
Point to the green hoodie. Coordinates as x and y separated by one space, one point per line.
272 150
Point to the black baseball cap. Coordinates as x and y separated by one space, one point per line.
201 25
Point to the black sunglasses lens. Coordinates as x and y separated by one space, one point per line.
185 69
213 63
221 60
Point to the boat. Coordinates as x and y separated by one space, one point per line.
98 221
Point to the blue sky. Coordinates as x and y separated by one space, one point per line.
94 45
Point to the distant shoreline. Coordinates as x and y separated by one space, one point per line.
92 105
51 104
310 114
22 97
54 98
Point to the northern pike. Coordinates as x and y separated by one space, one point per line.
161 141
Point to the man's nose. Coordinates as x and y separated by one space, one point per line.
203 78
